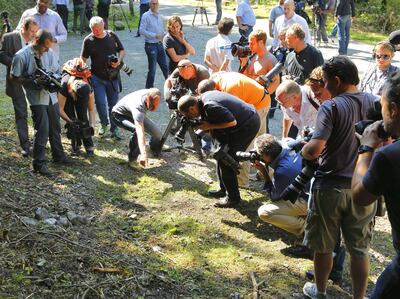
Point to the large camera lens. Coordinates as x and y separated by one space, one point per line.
240 51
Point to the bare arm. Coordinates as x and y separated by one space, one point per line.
224 65
92 112
175 57
205 126
286 124
270 23
61 102
313 149
208 62
360 195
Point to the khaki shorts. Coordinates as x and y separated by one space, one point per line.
331 210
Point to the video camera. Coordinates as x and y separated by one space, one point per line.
373 114
185 123
251 156
177 91
122 66
6 23
241 48
79 130
47 80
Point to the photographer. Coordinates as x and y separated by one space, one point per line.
11 43
331 209
130 114
43 103
304 57
187 75
377 173
260 62
251 93
100 46
299 107
232 123
76 99
321 9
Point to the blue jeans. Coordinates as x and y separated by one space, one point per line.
334 30
246 32
218 6
388 283
155 54
344 23
105 94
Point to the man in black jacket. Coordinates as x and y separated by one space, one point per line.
345 13
11 43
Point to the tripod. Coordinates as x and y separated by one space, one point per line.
201 10
175 118
114 15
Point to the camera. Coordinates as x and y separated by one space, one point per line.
373 114
185 123
251 156
176 92
281 57
241 49
122 66
47 80
79 130
221 154
293 191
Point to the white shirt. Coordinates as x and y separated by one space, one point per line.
308 113
217 48
282 22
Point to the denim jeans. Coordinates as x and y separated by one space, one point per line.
321 27
46 122
246 32
150 128
143 8
388 283
105 94
344 23
155 54
218 6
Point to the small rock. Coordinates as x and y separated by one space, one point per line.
132 216
50 221
82 219
73 218
41 214
29 221
63 221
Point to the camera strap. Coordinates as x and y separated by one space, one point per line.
246 65
313 103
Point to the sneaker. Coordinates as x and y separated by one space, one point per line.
310 290
117 134
102 130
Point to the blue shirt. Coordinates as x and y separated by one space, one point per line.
151 25
276 11
246 14
286 167
144 2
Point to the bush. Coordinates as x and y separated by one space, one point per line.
378 16
15 9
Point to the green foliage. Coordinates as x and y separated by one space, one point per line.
15 8
376 16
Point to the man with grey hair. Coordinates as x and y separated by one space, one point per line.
49 20
288 18
299 106
11 43
106 52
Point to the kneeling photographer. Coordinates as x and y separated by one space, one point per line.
76 99
234 124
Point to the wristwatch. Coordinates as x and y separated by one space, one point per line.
365 148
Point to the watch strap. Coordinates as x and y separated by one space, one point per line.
365 148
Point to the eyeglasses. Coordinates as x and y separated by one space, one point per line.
383 56
184 66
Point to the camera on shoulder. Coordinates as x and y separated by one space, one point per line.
241 48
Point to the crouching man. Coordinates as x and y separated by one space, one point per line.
234 124
130 114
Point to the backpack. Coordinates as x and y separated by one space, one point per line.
78 68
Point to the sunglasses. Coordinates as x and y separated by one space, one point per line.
384 56
184 66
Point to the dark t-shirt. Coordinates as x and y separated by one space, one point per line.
201 74
219 107
97 49
382 178
171 42
64 85
300 65
335 124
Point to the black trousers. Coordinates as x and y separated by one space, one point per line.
46 121
237 141
62 10
21 120
79 109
